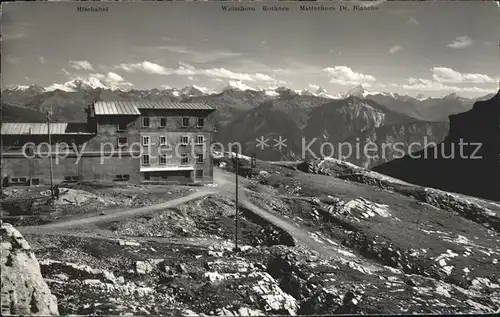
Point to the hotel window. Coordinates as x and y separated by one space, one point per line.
145 140
200 139
145 122
122 177
145 159
163 140
199 158
163 122
200 122
28 151
163 159
185 122
122 141
16 144
184 159
199 174
122 127
185 140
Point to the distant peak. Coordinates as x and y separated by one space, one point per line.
237 85
320 90
33 88
357 91
194 90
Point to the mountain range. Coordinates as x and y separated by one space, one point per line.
466 161
245 114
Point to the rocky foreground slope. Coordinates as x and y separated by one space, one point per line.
378 245
24 291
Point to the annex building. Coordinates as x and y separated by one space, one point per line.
139 142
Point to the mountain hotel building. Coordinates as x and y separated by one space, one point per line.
121 141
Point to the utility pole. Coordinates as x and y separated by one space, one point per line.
236 215
30 162
50 156
1 154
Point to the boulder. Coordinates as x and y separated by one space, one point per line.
24 291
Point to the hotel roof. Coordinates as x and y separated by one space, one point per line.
133 107
56 128
115 108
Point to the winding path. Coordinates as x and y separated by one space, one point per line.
225 185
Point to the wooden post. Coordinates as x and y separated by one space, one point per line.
30 162
236 216
1 154
50 156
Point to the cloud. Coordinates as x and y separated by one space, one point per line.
446 79
185 69
114 77
226 73
344 75
450 76
395 49
41 59
12 59
110 80
65 72
313 86
169 39
199 57
412 21
263 77
13 36
421 84
13 29
146 67
461 42
81 65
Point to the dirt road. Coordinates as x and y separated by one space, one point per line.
121 214
224 184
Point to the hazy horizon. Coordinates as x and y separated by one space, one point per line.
402 47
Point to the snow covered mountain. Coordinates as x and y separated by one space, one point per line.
195 91
362 92
96 82
28 88
320 92
237 85
79 84
237 94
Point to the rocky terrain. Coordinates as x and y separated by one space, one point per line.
322 236
24 291
31 206
334 238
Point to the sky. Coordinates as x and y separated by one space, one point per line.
430 48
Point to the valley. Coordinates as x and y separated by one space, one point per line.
245 115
